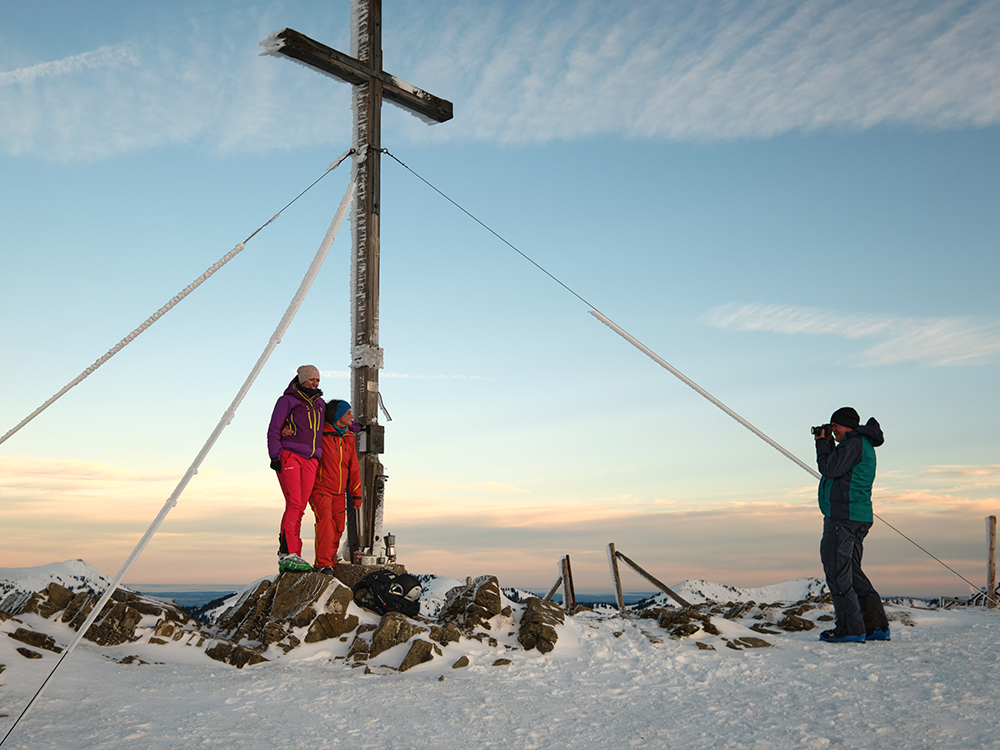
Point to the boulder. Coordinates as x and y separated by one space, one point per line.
59 595
115 626
234 654
268 614
538 624
421 651
445 634
393 629
682 623
331 625
794 624
472 605
38 640
738 644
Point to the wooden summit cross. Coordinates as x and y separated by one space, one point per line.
371 85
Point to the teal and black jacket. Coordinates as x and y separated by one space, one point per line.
848 470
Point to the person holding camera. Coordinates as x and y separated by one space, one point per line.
845 454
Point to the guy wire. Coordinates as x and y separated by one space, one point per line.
701 391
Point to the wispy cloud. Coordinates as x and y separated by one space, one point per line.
683 70
114 56
930 341
689 70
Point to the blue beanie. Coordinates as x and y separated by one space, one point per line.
340 408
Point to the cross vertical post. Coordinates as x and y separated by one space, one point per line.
365 529
371 85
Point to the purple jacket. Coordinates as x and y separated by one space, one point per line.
304 414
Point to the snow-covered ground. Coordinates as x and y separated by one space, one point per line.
610 682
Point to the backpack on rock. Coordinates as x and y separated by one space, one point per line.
384 591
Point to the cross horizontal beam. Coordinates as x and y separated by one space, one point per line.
298 46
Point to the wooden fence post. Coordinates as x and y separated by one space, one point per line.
617 577
991 562
554 589
569 591
656 582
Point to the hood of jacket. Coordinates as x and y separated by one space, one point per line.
871 430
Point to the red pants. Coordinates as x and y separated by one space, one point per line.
331 519
296 478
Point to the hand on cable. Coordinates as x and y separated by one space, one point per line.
357 502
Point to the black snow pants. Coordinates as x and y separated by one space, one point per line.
856 603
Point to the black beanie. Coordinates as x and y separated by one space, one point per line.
845 416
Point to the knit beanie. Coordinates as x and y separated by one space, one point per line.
307 372
335 410
845 416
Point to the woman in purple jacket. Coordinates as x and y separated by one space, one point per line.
295 444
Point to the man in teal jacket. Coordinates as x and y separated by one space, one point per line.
845 497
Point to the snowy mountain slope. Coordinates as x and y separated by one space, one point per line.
76 575
610 682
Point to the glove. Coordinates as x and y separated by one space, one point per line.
276 464
357 502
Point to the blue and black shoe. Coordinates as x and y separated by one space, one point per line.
836 636
879 635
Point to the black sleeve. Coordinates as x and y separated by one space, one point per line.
835 462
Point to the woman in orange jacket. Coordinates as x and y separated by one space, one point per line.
338 479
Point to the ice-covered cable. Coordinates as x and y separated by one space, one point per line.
701 391
166 308
227 417
663 363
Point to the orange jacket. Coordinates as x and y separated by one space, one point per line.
338 467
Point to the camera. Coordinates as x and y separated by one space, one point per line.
826 429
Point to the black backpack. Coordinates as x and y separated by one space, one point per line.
384 591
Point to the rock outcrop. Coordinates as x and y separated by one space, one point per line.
295 610
538 625
118 622
473 605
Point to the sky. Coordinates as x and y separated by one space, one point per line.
793 203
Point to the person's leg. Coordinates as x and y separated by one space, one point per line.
339 513
326 538
869 600
837 555
296 474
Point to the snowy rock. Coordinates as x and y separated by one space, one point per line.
421 651
117 622
234 654
473 605
277 615
331 625
738 644
393 629
445 634
38 640
268 613
538 625
794 623
683 623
